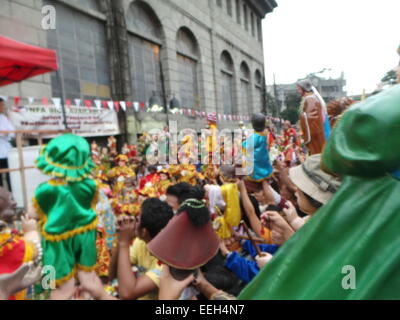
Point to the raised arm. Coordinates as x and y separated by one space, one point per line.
255 222
130 287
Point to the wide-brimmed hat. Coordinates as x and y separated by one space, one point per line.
316 183
67 156
182 245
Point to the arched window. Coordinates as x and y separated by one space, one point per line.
145 44
227 80
80 42
245 88
188 57
258 91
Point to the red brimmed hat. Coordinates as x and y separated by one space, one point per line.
182 245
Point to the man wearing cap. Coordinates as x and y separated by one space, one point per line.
314 188
313 118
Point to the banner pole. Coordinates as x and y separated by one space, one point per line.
63 100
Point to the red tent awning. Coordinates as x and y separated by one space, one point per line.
19 61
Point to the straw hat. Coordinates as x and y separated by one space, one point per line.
316 183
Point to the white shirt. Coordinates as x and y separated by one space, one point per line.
5 146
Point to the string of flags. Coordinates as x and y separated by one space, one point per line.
124 106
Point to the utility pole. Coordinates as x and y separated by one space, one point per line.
264 97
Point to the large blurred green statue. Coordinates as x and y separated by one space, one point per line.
350 249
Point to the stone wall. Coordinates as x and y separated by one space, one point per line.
214 30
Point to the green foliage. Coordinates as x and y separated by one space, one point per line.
390 77
293 100
292 103
272 105
290 114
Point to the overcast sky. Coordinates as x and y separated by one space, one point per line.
358 37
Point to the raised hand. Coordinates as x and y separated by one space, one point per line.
263 260
25 276
281 231
126 230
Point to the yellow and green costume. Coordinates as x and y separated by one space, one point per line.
65 205
232 216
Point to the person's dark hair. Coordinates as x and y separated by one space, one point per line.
315 203
223 279
180 190
1 99
258 122
272 207
228 172
152 168
194 206
155 215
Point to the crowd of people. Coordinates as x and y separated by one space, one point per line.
108 225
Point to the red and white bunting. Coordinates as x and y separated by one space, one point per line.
116 106
110 105
45 101
87 103
136 106
57 102
98 104
30 100
16 101
123 105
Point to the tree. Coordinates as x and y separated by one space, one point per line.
292 102
290 114
272 105
390 77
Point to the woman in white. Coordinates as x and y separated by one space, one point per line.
5 146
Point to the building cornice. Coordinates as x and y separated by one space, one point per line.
262 7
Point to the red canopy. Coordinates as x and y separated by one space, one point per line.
19 61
